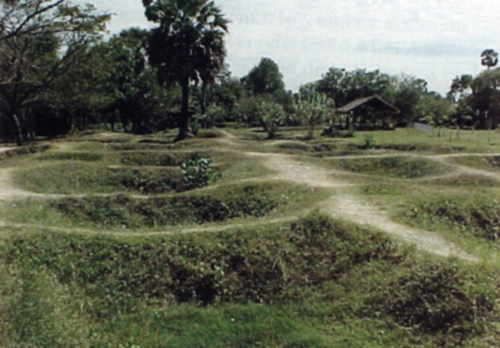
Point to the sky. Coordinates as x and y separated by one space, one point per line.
431 39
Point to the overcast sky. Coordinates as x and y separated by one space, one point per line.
432 39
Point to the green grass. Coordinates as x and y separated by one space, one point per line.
163 158
72 156
406 167
482 162
477 215
22 151
316 282
78 178
128 213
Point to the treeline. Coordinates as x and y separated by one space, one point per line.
59 74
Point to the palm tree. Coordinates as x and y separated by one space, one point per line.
489 58
187 46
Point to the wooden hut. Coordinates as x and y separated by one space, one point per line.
368 109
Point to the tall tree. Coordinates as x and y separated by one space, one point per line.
187 46
264 78
406 92
489 58
39 42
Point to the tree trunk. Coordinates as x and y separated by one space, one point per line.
482 119
203 98
185 116
18 130
495 110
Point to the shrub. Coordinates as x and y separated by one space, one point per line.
312 110
272 116
197 173
369 142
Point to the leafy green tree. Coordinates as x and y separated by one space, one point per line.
187 46
460 87
312 109
272 116
39 44
223 95
406 92
434 109
489 58
264 78
131 80
345 86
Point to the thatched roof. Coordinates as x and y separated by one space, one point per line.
376 103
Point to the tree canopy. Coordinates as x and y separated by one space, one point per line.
187 46
39 42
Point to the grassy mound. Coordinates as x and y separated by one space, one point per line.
477 215
396 167
137 147
77 178
72 156
21 151
159 158
126 212
314 283
481 162
464 180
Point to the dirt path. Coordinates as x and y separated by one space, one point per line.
6 149
172 231
352 208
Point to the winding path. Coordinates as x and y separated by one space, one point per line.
353 209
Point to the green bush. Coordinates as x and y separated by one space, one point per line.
197 173
272 116
369 142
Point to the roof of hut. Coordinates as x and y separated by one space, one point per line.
375 102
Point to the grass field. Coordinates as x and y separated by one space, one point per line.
231 240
